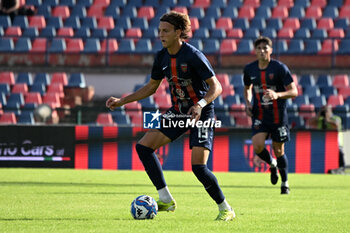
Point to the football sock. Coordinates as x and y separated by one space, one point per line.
209 181
224 206
282 163
151 165
265 155
164 195
285 184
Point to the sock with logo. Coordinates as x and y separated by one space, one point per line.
151 165
282 164
209 181
265 155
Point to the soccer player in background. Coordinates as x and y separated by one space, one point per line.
268 83
193 87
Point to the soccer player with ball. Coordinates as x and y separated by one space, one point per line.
193 87
268 83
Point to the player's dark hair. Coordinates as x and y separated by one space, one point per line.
180 21
263 39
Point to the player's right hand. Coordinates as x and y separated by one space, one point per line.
113 103
249 111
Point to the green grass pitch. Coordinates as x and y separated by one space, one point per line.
66 200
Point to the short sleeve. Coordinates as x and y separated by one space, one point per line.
287 76
157 72
202 66
246 77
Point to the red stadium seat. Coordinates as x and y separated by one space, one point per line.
223 78
319 3
246 12
37 21
163 101
65 32
106 22
7 77
74 45
252 3
335 100
20 88
146 12
112 46
137 120
336 33
237 110
340 80
286 3
103 3
133 33
224 23
133 109
13 31
56 88
39 45
313 12
344 91
292 23
105 119
346 3
181 9
8 118
243 121
96 11
33 97
280 12
52 99
234 33
61 11
286 33
194 23
307 111
228 46
60 77
201 3
325 23
329 46
344 12
227 90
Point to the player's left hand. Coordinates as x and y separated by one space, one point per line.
270 94
195 111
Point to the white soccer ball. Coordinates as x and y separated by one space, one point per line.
144 207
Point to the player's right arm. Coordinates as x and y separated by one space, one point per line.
147 90
248 99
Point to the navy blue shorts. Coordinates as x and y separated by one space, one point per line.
278 133
174 125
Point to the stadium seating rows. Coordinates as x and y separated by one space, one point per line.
220 26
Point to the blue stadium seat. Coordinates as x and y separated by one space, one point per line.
44 10
5 88
239 90
77 80
269 3
197 43
303 3
300 100
99 33
25 77
341 23
336 3
311 91
30 32
269 32
347 101
232 99
83 33
1 32
38 87
143 46
237 80
89 22
170 3
324 80
307 80
186 3
124 23
219 3
119 3
197 12
308 23
118 33
5 21
121 118
217 33
296 122
201 33
161 10
208 22
126 46
319 34
280 47
35 3
297 12
157 45
230 12
55 22
26 117
148 104
296 46
318 101
241 23
219 105
251 33
50 2
211 46
312 46
58 45
6 45
3 99
136 3
23 45
302 33
73 22
88 3
70 3
20 21
43 78
258 23
156 3
263 12
344 47
48 32
330 12
225 118
328 91
79 11
213 12
92 45
342 111
275 23
14 100
112 11
129 11
245 46
140 23
235 3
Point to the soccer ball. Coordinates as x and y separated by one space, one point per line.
144 207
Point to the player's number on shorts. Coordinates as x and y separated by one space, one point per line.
203 133
282 131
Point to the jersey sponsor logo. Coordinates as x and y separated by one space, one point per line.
184 67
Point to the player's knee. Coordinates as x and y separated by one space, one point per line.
143 151
258 148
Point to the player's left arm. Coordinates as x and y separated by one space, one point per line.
291 92
214 91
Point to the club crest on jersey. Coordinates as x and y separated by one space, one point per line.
184 67
180 92
270 76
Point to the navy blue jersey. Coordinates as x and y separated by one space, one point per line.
186 73
275 77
